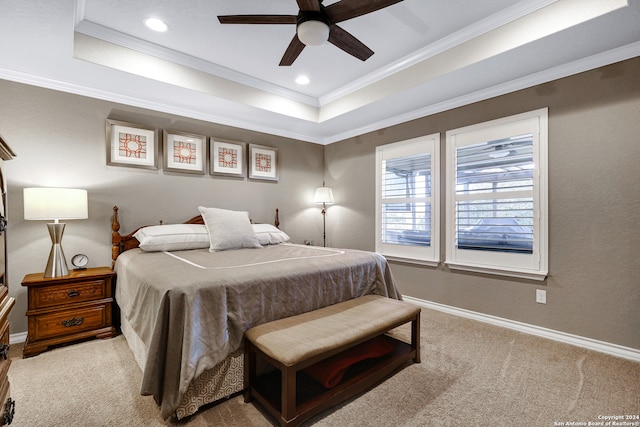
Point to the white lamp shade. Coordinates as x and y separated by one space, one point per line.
313 33
323 195
55 203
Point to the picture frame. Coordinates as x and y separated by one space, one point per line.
131 145
227 158
184 152
263 162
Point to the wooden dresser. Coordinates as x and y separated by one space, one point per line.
7 405
70 308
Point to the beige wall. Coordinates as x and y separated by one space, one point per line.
59 140
593 288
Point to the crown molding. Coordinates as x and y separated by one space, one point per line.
100 32
595 61
470 32
63 86
609 57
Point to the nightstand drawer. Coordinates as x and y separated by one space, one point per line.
68 322
55 296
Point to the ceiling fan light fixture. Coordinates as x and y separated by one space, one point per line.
312 32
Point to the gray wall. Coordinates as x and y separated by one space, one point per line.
59 140
593 288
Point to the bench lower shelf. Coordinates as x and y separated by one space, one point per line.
312 398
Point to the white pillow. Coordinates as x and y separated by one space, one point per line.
173 237
228 229
269 234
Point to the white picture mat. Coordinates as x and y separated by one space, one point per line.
258 154
198 151
149 157
237 149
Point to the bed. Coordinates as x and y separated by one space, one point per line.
184 308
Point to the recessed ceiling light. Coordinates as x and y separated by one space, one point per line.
302 80
156 25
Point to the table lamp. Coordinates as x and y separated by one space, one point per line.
55 204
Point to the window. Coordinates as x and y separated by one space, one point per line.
407 200
497 196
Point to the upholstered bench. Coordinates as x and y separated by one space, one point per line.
302 344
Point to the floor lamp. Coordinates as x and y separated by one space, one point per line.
55 204
324 197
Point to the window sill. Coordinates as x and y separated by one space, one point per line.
539 276
411 261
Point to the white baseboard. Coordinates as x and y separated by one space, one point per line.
17 338
588 343
591 344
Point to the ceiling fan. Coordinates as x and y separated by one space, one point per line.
316 23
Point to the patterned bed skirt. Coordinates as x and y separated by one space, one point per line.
222 381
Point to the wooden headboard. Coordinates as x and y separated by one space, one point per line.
122 243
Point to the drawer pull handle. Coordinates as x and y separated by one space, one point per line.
75 321
9 411
4 351
73 293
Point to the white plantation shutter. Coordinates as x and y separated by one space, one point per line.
406 199
497 196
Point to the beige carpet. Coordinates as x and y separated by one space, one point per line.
472 374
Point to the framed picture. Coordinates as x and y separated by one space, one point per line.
184 152
263 162
227 158
131 145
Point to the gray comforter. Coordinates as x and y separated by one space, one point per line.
191 308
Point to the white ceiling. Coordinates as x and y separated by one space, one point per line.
430 55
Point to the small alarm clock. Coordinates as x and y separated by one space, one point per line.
80 261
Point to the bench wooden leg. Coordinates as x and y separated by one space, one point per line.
288 394
415 337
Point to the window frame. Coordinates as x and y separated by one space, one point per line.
415 254
530 266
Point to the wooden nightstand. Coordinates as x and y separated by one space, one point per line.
69 308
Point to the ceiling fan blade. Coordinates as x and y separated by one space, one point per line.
342 39
292 52
258 19
309 5
347 9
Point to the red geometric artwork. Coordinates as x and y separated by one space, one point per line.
263 162
227 157
131 145
184 152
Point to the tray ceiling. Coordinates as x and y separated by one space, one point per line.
429 56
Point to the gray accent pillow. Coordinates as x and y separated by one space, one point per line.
228 229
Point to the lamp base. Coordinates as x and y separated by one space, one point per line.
324 225
57 264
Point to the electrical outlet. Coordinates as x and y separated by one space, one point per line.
308 242
541 296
